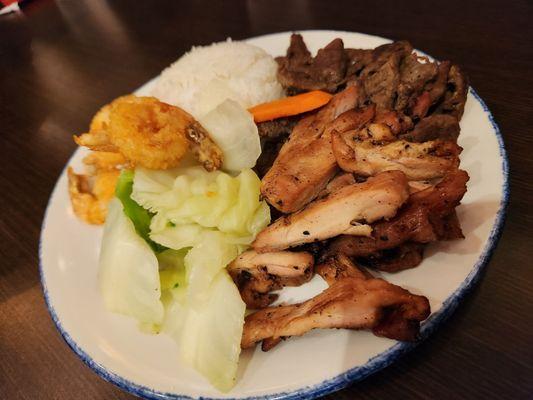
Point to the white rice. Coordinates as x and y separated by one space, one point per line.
206 76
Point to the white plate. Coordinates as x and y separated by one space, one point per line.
319 362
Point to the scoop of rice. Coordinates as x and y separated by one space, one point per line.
206 76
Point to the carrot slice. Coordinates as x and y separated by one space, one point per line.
288 106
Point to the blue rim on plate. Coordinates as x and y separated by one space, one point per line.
353 375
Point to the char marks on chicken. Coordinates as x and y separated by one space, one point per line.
305 163
257 275
428 216
347 210
405 256
419 161
339 266
354 300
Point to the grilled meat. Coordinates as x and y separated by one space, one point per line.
391 76
306 163
380 79
428 216
413 77
339 266
419 161
299 71
281 127
340 180
357 60
397 122
345 211
433 127
257 275
353 301
405 256
455 96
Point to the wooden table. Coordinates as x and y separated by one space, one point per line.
60 61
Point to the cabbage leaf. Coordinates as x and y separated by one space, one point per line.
233 129
140 217
129 270
197 223
211 340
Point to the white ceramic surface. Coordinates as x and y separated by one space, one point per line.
315 364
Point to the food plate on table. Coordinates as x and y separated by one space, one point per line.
314 364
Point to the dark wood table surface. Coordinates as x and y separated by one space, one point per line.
60 61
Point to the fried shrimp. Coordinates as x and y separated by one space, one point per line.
102 160
90 195
97 138
150 133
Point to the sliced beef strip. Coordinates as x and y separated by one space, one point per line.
436 126
413 77
380 78
456 92
433 91
298 57
357 60
273 134
380 84
299 71
383 52
437 87
281 127
293 67
330 65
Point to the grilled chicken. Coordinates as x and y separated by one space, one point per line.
346 211
405 256
352 119
353 302
419 161
417 186
339 266
429 215
340 180
256 275
306 163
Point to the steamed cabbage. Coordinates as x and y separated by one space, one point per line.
129 271
208 333
172 269
205 260
233 129
211 336
198 223
196 198
140 217
213 213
